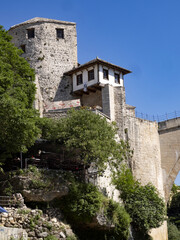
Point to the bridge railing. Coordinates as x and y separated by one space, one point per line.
158 118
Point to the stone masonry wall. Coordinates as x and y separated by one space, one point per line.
92 99
144 140
108 104
169 134
48 55
37 224
55 114
12 233
120 109
146 163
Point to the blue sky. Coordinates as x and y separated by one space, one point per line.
142 36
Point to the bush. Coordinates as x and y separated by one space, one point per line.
82 202
173 232
143 203
118 217
174 210
87 136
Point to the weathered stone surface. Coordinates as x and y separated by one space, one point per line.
32 192
34 224
144 140
169 133
49 55
41 196
62 235
42 235
15 233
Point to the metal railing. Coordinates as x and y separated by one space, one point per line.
158 118
7 201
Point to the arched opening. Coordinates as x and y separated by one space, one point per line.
177 180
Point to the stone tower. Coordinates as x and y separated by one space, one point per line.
50 46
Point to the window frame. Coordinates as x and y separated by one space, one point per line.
118 80
107 73
90 75
79 79
60 33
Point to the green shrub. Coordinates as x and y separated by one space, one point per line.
38 184
174 209
34 221
49 226
82 202
118 217
143 203
87 136
9 190
23 211
173 232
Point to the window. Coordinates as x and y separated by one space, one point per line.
30 33
116 77
60 32
105 74
79 79
91 75
23 47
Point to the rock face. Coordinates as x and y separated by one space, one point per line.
15 233
36 224
37 185
41 196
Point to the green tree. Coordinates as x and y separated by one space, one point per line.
84 202
174 209
173 232
143 203
17 92
90 137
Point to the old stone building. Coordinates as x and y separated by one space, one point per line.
50 46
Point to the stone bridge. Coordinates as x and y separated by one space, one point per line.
169 135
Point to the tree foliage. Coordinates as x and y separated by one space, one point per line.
174 209
173 232
84 202
143 203
118 216
17 92
90 137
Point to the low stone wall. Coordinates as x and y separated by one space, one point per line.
37 225
12 233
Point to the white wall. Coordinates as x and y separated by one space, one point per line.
84 72
111 79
